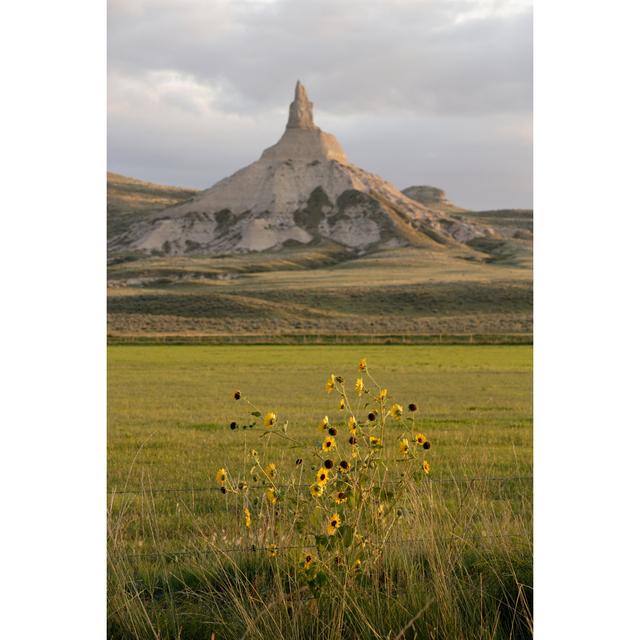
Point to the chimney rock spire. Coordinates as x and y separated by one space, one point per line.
300 110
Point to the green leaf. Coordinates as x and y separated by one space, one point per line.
346 533
321 578
322 542
257 414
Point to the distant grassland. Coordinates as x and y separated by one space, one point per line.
404 291
169 410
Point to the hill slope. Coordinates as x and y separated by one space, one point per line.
129 199
126 194
321 289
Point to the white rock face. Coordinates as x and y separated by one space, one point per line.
301 189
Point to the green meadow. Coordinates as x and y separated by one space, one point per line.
181 564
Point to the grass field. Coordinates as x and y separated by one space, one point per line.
402 291
458 564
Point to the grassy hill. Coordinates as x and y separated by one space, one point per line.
486 289
128 198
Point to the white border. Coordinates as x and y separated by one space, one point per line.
53 319
586 247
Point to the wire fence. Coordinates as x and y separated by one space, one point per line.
277 548
175 554
304 486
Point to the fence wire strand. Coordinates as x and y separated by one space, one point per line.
255 548
303 486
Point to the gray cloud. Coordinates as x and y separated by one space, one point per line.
419 92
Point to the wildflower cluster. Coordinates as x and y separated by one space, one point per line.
346 490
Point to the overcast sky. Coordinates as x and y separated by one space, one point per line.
417 91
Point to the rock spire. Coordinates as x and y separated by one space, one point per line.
300 110
301 191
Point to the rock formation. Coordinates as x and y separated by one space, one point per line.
302 190
301 110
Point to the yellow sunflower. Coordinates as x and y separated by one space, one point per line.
331 383
420 438
328 443
344 466
353 423
396 410
270 419
382 395
374 441
271 495
271 471
221 476
316 490
341 497
334 524
362 365
273 550
404 446
324 423
307 561
359 386
247 518
322 477
426 467
342 404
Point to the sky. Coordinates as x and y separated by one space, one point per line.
435 92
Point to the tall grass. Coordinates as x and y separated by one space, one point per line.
458 566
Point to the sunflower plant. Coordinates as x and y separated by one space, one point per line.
345 493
